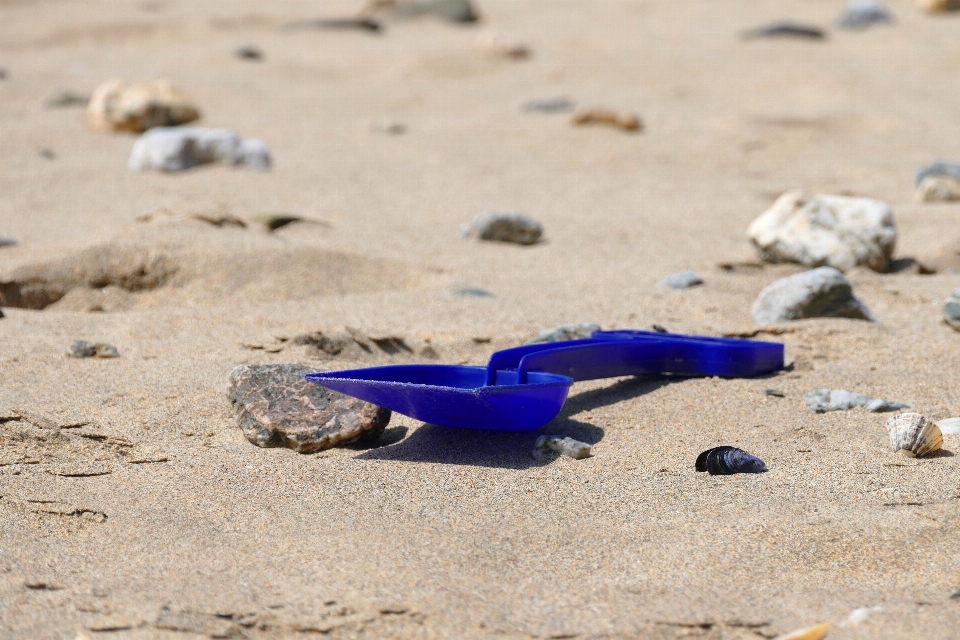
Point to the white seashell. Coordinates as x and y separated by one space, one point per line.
949 426
914 434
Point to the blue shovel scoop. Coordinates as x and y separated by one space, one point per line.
524 388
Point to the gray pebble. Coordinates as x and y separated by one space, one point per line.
682 280
500 226
555 105
7 242
951 310
180 148
449 10
549 447
472 293
566 332
276 407
776 393
824 400
3 73
248 52
48 154
818 293
84 349
938 168
860 14
785 29
66 99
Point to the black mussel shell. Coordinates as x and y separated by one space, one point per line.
725 461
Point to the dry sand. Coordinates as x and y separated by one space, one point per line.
442 532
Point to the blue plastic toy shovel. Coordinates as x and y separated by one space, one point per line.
524 388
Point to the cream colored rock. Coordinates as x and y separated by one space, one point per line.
938 6
118 106
914 435
938 188
836 231
503 47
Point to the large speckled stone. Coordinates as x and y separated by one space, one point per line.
818 293
276 407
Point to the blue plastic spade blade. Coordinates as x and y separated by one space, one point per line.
455 396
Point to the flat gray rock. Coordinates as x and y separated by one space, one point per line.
681 280
276 407
449 10
84 349
951 310
503 226
824 400
860 14
818 293
785 29
180 148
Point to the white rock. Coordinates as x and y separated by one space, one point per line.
818 293
835 231
179 148
861 615
681 280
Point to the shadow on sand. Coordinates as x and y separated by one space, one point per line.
445 445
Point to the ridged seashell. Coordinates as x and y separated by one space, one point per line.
725 461
914 434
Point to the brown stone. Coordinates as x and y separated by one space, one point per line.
276 407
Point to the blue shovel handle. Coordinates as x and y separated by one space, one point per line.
630 353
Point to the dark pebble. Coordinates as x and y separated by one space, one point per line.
785 30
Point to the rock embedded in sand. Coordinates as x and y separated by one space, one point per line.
66 99
567 332
835 231
503 47
951 310
449 10
622 119
501 226
938 189
939 6
276 407
118 106
681 280
248 52
549 447
818 293
180 148
860 14
824 400
84 349
785 29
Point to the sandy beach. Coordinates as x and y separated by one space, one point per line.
132 506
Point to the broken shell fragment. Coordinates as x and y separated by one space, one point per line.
623 119
810 633
547 447
914 435
725 461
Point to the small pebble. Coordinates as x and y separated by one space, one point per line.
776 393
659 328
824 400
566 332
951 310
622 119
938 168
785 29
118 106
181 148
498 226
955 595
84 349
681 280
390 128
449 10
48 154
67 99
819 293
861 615
938 188
7 242
554 105
939 6
472 293
3 73
502 47
860 14
548 447
248 52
